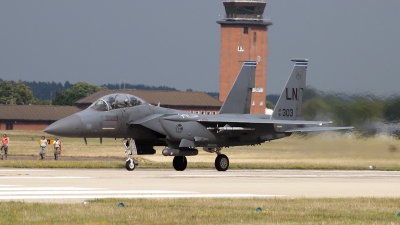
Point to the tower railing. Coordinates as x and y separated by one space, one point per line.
243 17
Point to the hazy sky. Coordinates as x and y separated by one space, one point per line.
353 46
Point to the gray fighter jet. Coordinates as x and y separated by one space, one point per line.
144 125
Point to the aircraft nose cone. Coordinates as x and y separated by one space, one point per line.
70 126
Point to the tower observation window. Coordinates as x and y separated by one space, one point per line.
245 10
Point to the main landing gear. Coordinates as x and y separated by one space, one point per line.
221 162
179 163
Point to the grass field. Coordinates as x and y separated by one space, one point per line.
324 151
207 211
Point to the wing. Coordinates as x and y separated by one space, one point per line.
311 129
297 125
256 119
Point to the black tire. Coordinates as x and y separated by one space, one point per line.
130 165
222 162
179 163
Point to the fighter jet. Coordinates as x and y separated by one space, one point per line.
144 125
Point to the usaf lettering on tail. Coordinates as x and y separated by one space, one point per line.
145 126
293 96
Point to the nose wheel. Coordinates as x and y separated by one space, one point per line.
221 162
130 164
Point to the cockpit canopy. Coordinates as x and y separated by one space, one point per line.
116 101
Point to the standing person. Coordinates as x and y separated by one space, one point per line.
57 148
4 145
43 146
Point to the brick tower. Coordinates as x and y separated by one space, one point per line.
244 38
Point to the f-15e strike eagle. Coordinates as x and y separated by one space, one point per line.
145 126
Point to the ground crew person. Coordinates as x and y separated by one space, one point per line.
57 148
4 146
43 146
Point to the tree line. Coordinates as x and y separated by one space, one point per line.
15 93
47 90
343 109
46 93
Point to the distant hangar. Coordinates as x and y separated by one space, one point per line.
37 117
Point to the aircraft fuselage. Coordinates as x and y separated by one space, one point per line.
163 125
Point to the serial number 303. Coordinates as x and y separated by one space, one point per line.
286 112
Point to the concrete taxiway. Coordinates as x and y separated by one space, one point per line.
66 185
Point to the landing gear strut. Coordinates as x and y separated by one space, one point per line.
221 162
179 163
130 148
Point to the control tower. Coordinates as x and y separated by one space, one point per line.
244 38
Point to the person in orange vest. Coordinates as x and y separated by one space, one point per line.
5 140
57 148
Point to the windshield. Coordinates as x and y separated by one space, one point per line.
116 101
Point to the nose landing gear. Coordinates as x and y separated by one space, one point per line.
130 149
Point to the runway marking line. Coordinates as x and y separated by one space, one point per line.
32 193
26 197
58 177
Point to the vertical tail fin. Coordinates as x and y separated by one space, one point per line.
289 103
239 97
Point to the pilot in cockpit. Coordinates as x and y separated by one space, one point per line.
116 101
127 103
114 105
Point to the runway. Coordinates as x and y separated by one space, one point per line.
77 185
